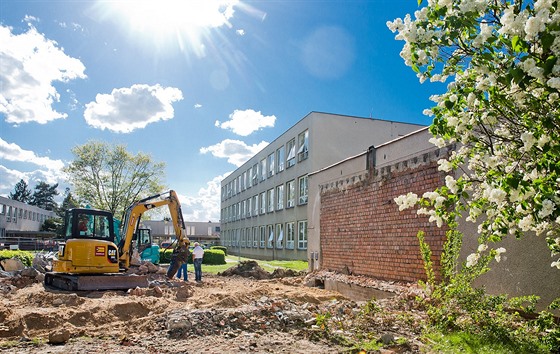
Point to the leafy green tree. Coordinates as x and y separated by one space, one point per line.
501 108
69 202
109 177
44 195
21 192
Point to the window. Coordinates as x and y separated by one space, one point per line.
291 148
290 235
249 237
280 197
270 243
243 178
243 209
279 235
302 183
302 235
280 159
249 206
255 237
262 236
270 199
255 205
303 141
249 176
271 165
263 203
255 174
263 169
209 232
291 194
242 237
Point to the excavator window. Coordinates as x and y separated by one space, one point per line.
89 223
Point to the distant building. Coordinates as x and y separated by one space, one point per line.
207 233
20 224
265 203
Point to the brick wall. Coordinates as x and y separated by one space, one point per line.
362 230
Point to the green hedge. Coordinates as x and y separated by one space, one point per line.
214 256
25 257
223 248
211 256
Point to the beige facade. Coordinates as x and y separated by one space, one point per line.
207 233
265 202
20 224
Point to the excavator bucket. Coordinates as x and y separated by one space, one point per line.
72 282
173 268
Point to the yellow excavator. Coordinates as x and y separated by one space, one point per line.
89 259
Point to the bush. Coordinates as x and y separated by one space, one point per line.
165 255
24 256
223 248
214 256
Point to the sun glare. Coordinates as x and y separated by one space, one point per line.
165 20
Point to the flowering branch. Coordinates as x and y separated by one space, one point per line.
502 106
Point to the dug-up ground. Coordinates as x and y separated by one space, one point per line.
243 310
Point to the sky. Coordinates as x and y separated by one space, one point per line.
199 85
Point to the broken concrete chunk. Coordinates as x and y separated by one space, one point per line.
11 265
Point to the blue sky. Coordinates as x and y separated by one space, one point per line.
199 85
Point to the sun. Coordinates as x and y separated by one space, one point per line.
185 22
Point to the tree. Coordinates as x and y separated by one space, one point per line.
110 178
502 110
44 195
21 192
69 202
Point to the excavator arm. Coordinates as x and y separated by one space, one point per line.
134 214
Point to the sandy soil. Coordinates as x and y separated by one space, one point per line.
223 314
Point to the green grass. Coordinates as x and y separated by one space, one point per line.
269 266
468 343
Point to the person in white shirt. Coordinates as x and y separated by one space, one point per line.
198 255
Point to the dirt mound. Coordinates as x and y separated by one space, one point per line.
247 269
251 269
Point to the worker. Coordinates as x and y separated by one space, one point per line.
180 255
197 255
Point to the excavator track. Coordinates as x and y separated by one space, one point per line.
73 282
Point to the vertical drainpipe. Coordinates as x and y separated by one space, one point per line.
370 162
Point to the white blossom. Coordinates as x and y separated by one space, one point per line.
406 201
547 209
499 252
472 259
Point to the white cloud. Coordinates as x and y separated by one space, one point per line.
240 32
29 64
49 171
246 122
206 205
12 152
197 105
127 109
236 151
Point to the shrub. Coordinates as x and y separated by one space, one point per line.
223 248
165 255
24 256
214 256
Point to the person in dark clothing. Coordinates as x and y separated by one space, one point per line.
178 264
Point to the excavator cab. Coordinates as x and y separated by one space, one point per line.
89 243
147 249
